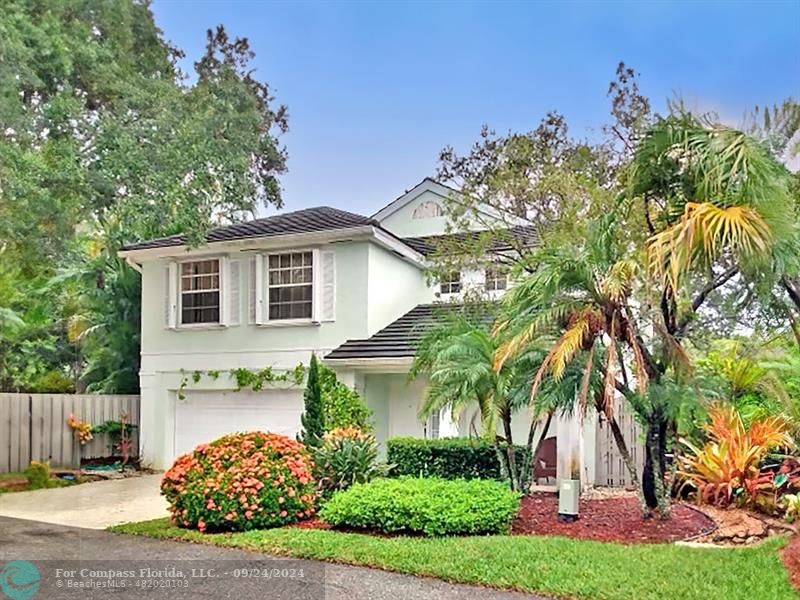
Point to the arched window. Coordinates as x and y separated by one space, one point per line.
427 210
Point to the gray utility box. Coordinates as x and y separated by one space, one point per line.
569 495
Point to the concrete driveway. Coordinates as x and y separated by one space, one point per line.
74 563
95 505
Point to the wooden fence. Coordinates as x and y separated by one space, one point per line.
34 427
611 469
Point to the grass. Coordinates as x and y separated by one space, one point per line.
20 475
549 565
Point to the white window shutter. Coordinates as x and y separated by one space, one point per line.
224 268
256 291
327 286
171 296
234 287
251 291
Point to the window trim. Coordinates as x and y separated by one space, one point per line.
315 289
179 292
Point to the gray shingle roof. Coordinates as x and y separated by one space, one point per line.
401 338
321 218
428 245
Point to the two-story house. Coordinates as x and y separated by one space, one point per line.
268 293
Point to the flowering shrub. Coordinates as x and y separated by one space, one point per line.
38 475
346 456
241 481
81 429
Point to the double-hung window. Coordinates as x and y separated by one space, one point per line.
200 292
290 280
496 278
450 283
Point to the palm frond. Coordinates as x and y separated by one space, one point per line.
617 282
703 231
568 345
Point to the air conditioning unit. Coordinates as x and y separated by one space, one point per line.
569 496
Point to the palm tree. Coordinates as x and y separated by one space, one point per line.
714 206
457 355
717 207
579 295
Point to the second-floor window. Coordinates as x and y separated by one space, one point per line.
290 285
496 278
450 283
200 292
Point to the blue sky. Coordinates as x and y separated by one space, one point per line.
376 89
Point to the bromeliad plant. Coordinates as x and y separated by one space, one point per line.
346 456
727 469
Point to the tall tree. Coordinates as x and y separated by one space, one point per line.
103 141
313 417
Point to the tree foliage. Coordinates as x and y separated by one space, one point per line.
104 141
313 417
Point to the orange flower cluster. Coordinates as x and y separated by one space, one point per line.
81 429
353 433
241 481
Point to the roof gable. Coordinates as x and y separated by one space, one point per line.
426 185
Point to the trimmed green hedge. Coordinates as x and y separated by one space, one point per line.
429 506
448 458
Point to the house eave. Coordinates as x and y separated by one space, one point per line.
373 364
275 242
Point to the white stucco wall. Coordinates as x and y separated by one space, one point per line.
373 287
394 288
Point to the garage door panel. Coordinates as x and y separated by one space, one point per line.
204 416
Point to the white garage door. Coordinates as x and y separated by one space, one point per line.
204 416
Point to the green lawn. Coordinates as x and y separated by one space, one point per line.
548 565
20 475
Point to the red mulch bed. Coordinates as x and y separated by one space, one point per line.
312 523
608 520
791 558
14 484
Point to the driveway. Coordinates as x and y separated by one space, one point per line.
103 561
95 505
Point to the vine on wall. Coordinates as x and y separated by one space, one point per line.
246 378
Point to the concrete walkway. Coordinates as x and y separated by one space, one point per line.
95 505
181 571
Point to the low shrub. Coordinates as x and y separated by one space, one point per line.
346 456
791 504
38 475
447 458
428 506
343 407
239 482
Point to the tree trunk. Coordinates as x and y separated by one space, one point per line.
656 493
622 447
510 451
542 437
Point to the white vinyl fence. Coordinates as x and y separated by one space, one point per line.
34 427
611 469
